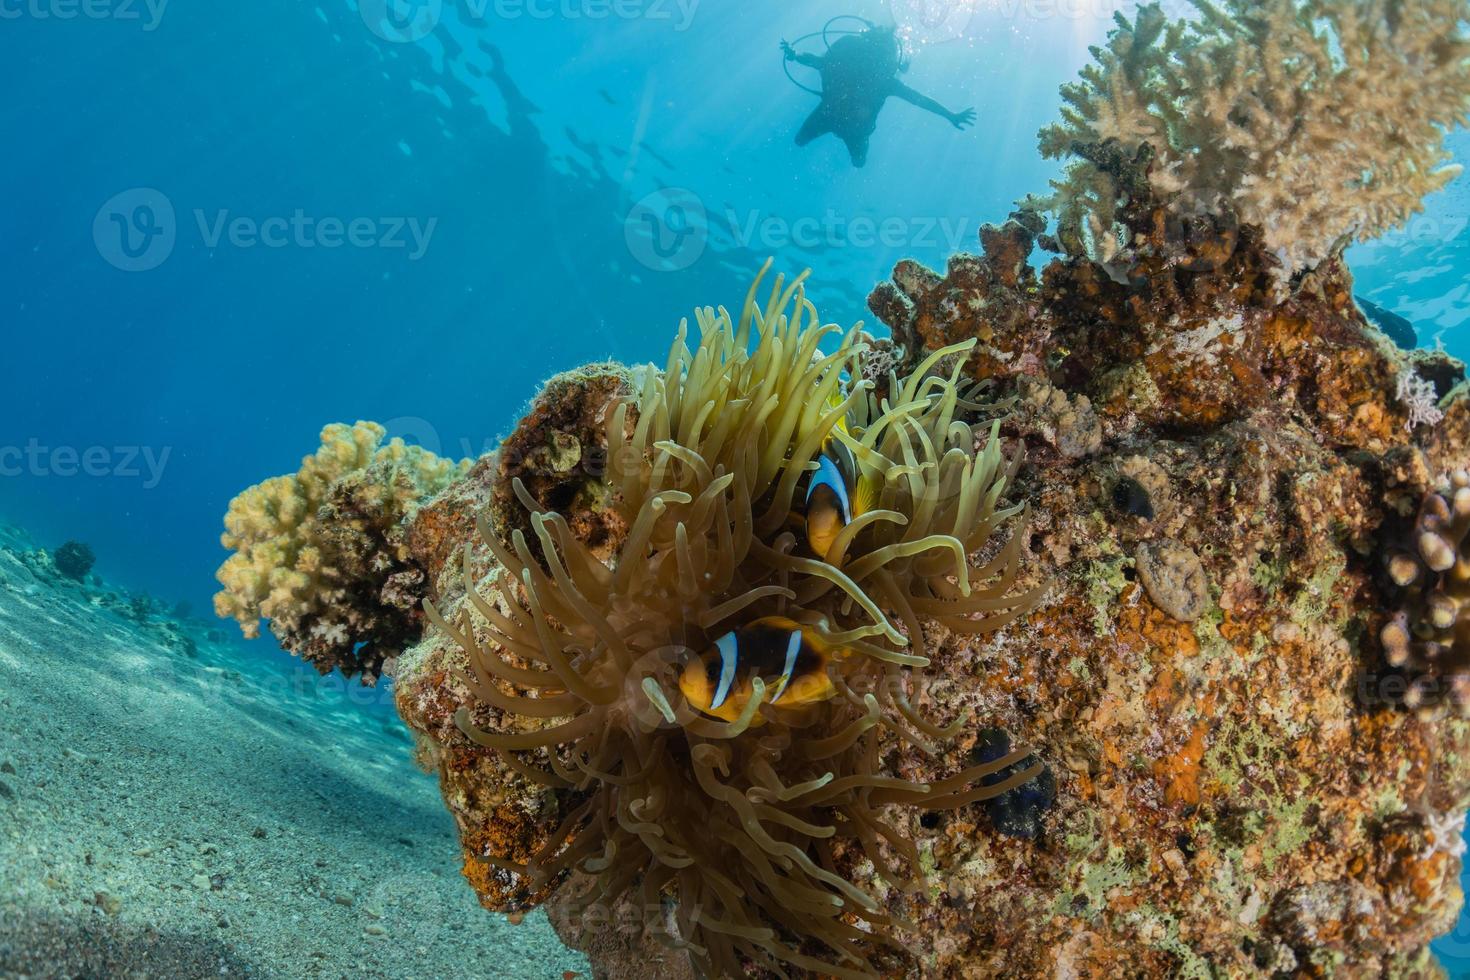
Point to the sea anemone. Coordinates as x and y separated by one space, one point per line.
748 833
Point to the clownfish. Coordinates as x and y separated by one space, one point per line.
790 659
837 493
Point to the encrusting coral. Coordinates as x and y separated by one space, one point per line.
323 553
1319 121
754 827
1429 637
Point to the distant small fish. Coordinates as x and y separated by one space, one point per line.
606 97
1398 329
655 154
790 659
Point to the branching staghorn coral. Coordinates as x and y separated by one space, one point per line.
1429 637
1320 121
755 826
322 553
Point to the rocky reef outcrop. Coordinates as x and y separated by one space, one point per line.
1218 484
1208 717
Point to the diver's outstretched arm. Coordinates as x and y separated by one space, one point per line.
957 119
801 57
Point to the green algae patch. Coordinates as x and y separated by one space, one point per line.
1235 749
1094 879
928 866
1105 582
1287 832
1314 601
1212 644
1269 574
1162 933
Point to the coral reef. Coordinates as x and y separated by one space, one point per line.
1427 637
323 554
1317 121
1228 494
75 560
547 454
783 837
31 572
1241 770
1227 741
1200 716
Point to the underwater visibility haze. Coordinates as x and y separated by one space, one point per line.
686 488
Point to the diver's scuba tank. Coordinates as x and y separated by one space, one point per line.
828 32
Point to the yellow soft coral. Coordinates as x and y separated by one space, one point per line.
1320 121
314 550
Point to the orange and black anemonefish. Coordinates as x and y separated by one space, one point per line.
837 493
790 659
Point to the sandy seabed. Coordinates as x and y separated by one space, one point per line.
171 808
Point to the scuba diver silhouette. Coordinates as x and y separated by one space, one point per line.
859 74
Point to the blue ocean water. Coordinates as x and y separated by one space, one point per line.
225 225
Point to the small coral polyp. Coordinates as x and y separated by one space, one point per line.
752 830
1429 637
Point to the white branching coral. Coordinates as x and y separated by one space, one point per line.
1320 121
1416 393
